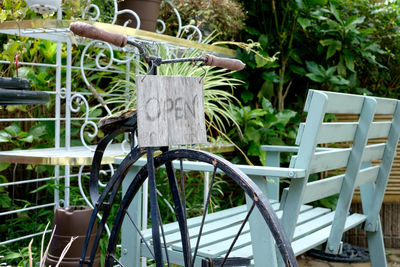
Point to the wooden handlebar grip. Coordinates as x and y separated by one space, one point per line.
92 32
227 63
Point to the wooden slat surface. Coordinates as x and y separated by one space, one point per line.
392 193
331 186
352 104
313 223
344 132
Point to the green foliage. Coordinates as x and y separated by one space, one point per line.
13 9
218 87
330 45
261 126
224 16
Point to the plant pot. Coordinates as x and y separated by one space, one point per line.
71 222
147 11
44 6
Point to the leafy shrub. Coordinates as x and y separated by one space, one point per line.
338 45
261 126
224 16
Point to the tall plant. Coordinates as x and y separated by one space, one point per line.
329 45
218 86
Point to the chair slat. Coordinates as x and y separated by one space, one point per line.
344 131
329 160
331 186
340 103
373 152
317 238
336 159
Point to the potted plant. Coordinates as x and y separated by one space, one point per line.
227 17
44 6
147 10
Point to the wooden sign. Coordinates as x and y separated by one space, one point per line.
170 110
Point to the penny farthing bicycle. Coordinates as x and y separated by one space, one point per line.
156 105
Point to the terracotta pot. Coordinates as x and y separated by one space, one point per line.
71 222
147 11
44 6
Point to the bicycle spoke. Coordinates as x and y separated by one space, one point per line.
205 211
159 229
163 236
140 233
238 234
112 255
180 214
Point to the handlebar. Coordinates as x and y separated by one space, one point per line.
226 63
92 32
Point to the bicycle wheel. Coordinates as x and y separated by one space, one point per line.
186 239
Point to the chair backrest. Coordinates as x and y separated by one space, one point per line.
344 163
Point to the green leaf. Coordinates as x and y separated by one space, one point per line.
260 61
331 70
339 80
12 255
28 139
314 68
4 139
315 77
267 105
5 200
353 21
253 31
333 46
317 2
25 72
253 134
95 113
37 131
254 149
349 59
304 22
285 116
267 90
297 69
263 40
246 96
294 54
48 49
300 4
270 76
335 13
341 68
256 113
13 129
4 165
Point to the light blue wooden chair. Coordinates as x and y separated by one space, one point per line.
328 227
307 225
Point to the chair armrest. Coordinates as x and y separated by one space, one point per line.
291 149
274 148
272 171
247 169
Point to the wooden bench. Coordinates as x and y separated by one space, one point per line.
307 225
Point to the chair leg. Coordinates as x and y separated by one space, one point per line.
261 239
377 247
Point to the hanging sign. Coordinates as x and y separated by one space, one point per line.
170 110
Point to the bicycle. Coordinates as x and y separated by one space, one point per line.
104 201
